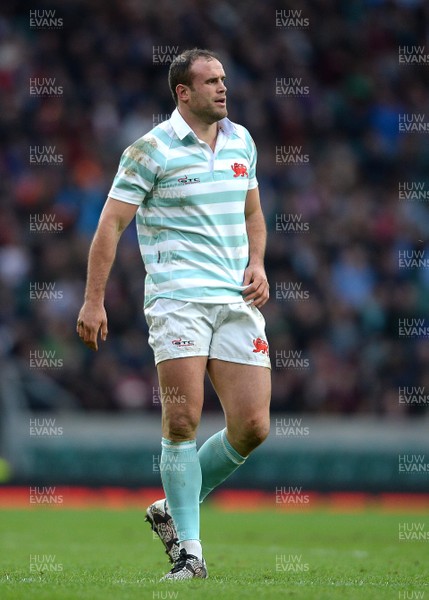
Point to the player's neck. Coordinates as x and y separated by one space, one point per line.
206 132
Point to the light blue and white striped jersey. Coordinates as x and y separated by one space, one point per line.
190 221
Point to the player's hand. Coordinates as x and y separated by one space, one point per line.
92 319
259 290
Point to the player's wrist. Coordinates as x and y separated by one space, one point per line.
95 302
256 264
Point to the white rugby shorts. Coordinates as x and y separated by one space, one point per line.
232 332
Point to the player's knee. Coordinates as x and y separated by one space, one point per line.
180 427
255 432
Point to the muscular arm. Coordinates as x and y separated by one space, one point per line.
255 275
92 318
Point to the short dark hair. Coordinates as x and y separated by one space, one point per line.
180 68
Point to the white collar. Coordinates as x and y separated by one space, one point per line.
182 129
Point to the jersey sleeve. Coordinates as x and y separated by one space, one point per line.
137 172
253 156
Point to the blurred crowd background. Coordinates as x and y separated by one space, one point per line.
343 331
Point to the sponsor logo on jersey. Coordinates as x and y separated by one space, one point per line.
187 180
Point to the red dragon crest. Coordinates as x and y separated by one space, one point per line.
239 170
260 346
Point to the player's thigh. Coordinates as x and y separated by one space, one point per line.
244 391
181 383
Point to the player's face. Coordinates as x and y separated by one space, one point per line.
207 93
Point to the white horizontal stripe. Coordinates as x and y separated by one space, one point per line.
217 186
136 179
220 208
178 284
172 267
224 164
209 230
216 251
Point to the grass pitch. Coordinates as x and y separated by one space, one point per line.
96 554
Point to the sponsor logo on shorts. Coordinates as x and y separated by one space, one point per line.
240 170
260 345
183 343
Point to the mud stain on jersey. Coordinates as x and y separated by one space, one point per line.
140 153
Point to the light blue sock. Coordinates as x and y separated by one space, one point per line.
181 478
218 461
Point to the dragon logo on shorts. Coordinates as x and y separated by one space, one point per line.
260 346
240 170
183 343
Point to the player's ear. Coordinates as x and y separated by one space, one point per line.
182 92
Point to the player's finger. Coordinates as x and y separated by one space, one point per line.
247 278
253 287
253 290
92 340
79 326
260 296
90 337
104 331
259 302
